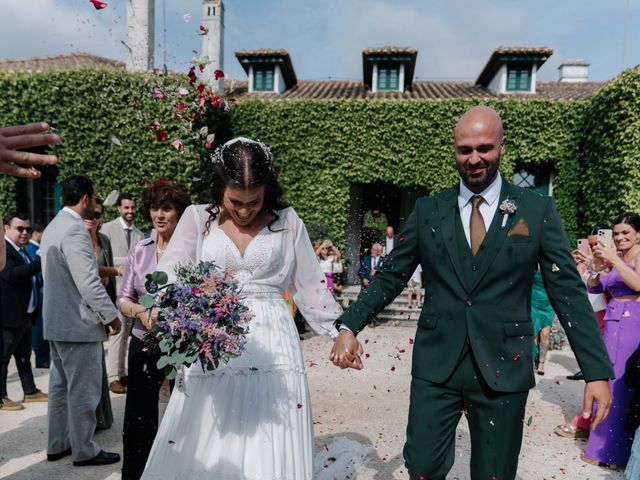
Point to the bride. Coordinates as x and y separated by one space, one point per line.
251 418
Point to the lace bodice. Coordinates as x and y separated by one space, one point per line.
255 255
276 259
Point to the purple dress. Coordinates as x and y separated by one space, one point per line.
610 443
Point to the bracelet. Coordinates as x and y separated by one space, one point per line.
135 314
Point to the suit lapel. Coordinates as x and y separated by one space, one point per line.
447 206
497 234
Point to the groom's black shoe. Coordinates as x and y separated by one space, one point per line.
576 376
52 457
103 458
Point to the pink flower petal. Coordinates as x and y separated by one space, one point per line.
99 5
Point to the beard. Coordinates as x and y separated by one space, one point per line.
481 180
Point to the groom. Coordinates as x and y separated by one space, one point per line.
479 244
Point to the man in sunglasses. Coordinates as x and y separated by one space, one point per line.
19 285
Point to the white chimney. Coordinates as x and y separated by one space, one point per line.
213 40
574 71
140 35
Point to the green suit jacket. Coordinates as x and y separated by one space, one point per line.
486 298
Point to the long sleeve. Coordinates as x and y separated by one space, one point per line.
183 247
598 288
18 274
569 299
127 289
84 271
309 288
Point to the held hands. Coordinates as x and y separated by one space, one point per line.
114 326
14 139
346 351
596 391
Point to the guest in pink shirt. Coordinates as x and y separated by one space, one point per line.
163 204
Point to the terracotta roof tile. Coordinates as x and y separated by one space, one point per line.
261 52
421 89
59 62
389 50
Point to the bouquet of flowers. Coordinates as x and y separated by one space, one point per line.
200 316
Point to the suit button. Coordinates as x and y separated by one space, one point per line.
468 303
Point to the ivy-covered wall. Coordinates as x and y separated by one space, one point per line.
324 146
104 119
610 151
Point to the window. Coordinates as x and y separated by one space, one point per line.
538 182
263 79
518 78
388 78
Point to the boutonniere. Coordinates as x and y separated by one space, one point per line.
507 207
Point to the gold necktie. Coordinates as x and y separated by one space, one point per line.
477 227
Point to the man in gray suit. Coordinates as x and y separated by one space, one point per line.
77 313
123 235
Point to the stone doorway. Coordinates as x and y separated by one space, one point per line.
394 205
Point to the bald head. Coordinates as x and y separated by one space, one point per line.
481 118
479 144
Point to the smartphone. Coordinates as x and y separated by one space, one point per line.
583 246
605 236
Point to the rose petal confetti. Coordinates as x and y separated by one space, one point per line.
99 5
208 143
218 74
555 268
517 356
183 92
299 406
161 136
366 355
180 106
158 93
187 17
203 30
155 125
402 350
411 341
177 144
116 141
393 369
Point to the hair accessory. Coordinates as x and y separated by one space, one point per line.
217 156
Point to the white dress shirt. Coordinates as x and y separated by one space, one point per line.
488 208
73 213
388 241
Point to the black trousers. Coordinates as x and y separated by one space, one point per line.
17 343
141 409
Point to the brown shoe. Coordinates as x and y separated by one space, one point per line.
10 406
38 396
117 387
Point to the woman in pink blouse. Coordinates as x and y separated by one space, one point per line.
163 204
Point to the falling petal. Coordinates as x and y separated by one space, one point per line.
218 74
158 93
116 141
187 17
183 92
99 5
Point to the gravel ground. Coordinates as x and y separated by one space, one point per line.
369 407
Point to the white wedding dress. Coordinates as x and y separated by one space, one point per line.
249 419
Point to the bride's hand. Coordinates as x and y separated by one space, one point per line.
148 318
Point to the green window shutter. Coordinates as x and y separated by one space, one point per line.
519 78
388 78
263 79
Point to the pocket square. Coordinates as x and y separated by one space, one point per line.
520 229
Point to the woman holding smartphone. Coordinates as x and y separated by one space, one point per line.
609 444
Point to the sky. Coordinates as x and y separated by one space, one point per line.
325 39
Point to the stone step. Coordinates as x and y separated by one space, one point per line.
398 312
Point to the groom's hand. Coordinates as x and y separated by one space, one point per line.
346 351
597 391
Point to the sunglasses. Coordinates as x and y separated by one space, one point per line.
23 229
97 215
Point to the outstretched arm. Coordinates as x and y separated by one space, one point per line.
21 137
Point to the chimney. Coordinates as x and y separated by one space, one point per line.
140 38
574 71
